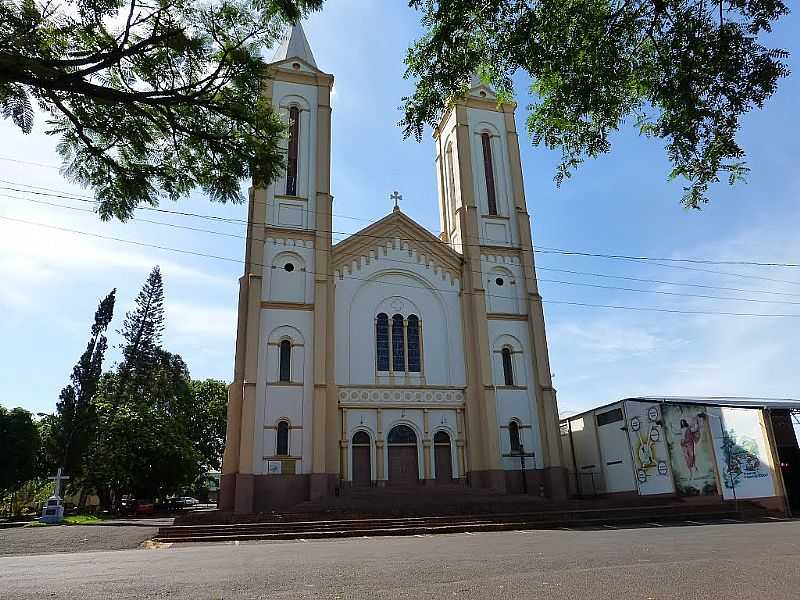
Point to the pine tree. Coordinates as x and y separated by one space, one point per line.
142 331
75 420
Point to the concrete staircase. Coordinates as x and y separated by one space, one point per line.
286 526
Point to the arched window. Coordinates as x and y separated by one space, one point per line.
508 367
382 342
513 436
361 438
282 441
451 178
488 171
398 344
286 361
402 434
294 142
412 333
441 437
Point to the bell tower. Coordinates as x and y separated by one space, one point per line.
283 399
510 401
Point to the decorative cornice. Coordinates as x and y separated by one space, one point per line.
278 235
396 232
422 397
287 305
506 317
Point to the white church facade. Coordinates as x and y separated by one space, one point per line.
394 357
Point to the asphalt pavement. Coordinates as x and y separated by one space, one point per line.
730 561
113 534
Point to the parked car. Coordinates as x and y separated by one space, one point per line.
144 507
180 502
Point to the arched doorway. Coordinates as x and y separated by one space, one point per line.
362 468
442 457
403 465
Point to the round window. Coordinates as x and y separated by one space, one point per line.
289 267
499 281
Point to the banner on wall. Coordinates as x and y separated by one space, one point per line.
649 448
742 453
691 453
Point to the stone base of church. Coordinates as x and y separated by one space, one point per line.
322 485
245 493
493 479
227 492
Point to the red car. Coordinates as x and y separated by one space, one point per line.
144 507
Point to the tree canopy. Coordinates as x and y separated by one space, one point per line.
19 448
682 71
149 98
73 426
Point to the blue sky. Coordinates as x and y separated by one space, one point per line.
621 203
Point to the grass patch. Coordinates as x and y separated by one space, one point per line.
36 524
82 520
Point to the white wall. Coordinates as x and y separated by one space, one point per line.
517 402
501 229
296 212
587 451
278 400
400 276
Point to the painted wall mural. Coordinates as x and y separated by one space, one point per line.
741 448
649 448
690 449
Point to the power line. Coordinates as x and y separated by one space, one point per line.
28 162
228 259
480 273
663 282
663 292
538 249
700 261
665 310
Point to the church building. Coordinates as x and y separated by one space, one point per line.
395 357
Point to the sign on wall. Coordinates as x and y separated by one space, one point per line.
742 453
649 448
691 452
274 467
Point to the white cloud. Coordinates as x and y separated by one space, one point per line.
198 323
603 359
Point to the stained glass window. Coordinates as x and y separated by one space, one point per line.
294 143
414 363
513 436
282 445
286 361
398 344
508 369
488 170
382 342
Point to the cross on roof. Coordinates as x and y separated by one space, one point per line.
396 196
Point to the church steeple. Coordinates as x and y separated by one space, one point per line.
295 45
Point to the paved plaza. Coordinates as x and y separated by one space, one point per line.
730 561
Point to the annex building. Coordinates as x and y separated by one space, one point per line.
396 357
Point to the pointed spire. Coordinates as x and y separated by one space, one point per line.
295 45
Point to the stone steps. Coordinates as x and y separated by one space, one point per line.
340 528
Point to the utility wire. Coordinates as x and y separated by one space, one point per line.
538 249
436 242
480 273
234 260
